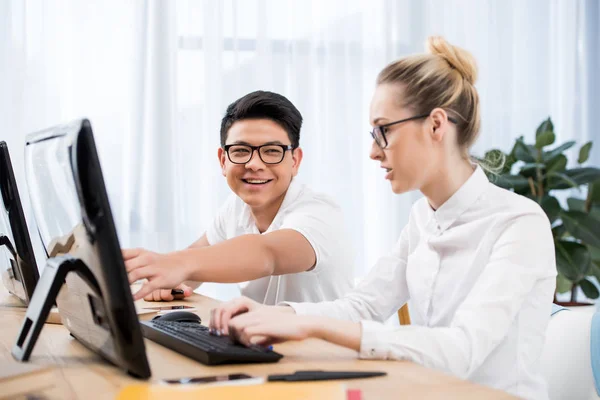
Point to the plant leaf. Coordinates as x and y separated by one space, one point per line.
559 180
563 285
545 126
573 260
584 175
589 289
594 193
582 226
581 176
557 164
549 155
558 231
551 207
595 271
508 181
544 139
523 152
530 169
595 254
579 205
576 204
584 153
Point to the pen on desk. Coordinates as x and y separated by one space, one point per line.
299 376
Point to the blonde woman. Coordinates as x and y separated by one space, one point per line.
476 261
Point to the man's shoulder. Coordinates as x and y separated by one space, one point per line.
307 199
233 207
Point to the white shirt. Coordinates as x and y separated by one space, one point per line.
319 219
480 276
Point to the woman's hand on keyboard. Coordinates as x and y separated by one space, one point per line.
264 327
221 316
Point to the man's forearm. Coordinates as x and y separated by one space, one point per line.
193 284
236 260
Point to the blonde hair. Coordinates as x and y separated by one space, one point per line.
443 78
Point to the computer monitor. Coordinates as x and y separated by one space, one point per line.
17 262
85 272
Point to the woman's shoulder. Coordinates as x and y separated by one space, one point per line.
506 201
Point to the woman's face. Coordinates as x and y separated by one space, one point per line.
413 150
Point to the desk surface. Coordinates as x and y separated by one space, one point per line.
70 371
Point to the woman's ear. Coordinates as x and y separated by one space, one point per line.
439 123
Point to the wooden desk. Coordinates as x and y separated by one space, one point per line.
73 372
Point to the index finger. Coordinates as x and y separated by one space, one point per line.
130 253
145 290
226 313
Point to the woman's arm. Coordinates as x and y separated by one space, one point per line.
265 327
521 268
517 268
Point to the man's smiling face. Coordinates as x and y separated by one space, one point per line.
258 184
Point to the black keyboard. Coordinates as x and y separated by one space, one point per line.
194 340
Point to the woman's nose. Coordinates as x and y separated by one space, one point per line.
376 152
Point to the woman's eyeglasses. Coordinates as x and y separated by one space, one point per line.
378 133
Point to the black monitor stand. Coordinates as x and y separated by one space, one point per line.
44 297
13 272
5 241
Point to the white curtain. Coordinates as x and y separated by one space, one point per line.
155 78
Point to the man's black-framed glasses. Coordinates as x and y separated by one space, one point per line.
268 153
378 133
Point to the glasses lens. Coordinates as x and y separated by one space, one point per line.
240 154
377 134
271 154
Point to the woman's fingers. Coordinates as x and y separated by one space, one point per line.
221 315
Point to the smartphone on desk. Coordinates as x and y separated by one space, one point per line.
166 309
231 379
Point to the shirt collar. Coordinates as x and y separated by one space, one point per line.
245 219
462 200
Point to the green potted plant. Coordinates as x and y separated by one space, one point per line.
539 173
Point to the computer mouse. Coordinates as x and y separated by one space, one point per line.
179 316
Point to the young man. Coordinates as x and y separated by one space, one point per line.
286 241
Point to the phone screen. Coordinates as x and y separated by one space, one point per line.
209 379
168 308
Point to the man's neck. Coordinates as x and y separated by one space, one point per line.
264 216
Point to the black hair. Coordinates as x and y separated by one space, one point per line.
264 105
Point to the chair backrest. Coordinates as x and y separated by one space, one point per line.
566 358
404 315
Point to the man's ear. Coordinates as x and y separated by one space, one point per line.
296 159
222 154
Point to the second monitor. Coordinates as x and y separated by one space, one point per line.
19 272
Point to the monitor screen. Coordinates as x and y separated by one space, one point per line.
74 217
17 260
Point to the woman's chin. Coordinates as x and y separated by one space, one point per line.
399 187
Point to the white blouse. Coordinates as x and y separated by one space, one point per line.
480 275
